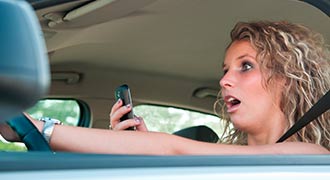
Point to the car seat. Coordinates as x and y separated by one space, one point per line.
199 133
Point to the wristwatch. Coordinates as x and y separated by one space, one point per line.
48 127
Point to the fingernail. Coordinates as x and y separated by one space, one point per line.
118 101
128 106
137 119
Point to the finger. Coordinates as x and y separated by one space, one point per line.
116 106
115 117
141 126
126 124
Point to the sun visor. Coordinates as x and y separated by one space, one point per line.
94 12
24 66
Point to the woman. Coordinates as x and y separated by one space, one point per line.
273 73
290 62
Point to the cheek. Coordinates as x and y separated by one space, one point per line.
253 83
256 94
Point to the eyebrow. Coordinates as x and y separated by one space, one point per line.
239 57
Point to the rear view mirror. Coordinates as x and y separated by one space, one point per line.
24 66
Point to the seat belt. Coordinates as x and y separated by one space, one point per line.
319 108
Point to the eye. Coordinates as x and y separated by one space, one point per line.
246 66
225 71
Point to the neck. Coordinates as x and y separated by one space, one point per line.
271 134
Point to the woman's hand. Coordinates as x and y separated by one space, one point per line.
8 133
117 111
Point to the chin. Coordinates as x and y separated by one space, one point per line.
241 124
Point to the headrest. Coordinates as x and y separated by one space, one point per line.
24 66
198 133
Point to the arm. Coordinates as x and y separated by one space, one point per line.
76 139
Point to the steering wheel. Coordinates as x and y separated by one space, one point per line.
29 134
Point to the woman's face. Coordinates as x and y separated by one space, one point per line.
250 106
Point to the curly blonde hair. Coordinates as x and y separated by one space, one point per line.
299 56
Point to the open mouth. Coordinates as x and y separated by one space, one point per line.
232 103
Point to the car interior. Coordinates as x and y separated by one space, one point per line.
169 52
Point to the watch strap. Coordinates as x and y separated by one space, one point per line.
48 127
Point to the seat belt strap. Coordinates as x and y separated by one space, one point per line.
319 108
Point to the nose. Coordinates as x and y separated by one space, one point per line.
227 80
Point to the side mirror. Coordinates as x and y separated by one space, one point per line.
24 65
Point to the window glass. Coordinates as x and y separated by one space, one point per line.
170 119
11 146
65 110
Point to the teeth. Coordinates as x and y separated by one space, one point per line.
231 99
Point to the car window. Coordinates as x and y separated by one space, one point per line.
69 111
172 119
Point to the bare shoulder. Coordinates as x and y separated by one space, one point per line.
301 148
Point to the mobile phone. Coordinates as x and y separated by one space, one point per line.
123 92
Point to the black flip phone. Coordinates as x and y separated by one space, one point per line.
123 92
